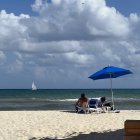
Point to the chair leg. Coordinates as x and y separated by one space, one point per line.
76 109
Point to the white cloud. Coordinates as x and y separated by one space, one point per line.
14 67
40 72
70 20
67 38
2 57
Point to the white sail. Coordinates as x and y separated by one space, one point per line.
34 86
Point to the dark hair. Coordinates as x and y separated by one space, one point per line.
103 99
83 95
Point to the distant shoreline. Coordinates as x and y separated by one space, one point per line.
70 89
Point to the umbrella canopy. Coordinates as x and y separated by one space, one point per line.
110 72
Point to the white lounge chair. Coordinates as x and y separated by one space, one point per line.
80 109
93 105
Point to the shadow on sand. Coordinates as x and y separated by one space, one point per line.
109 135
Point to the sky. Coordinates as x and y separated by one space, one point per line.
58 44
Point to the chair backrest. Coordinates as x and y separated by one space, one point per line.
93 103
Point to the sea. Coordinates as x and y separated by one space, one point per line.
64 99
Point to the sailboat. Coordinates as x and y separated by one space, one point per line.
34 86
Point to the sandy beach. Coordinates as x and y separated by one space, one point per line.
68 125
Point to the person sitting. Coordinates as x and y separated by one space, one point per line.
104 104
82 102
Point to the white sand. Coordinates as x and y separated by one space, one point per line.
47 125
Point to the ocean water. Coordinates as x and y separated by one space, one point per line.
64 99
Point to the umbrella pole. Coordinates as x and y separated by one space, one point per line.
111 91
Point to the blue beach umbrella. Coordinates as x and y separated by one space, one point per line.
109 73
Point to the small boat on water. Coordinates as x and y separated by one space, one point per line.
34 86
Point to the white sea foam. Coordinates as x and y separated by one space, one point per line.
62 100
126 99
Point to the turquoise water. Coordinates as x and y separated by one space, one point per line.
64 99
